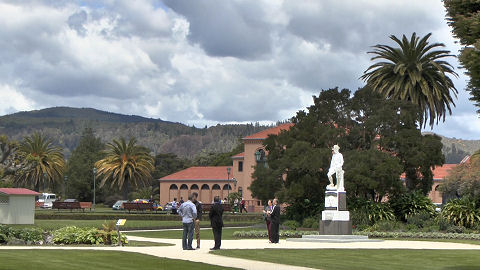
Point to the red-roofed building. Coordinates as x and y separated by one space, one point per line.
439 174
209 182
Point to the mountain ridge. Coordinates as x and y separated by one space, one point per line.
65 125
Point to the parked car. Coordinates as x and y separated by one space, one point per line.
46 200
140 201
118 205
158 207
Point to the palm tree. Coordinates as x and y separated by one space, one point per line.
416 73
40 162
124 163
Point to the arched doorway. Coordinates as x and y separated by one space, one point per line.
173 192
183 192
216 191
205 194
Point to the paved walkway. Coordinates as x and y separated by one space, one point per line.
203 255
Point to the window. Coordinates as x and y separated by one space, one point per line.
240 166
173 186
205 187
194 186
216 187
183 186
225 187
240 190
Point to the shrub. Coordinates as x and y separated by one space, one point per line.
412 203
25 234
442 222
424 235
387 226
456 229
421 219
371 212
462 212
291 224
311 222
90 236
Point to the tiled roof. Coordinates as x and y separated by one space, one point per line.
18 191
239 156
262 135
440 172
201 173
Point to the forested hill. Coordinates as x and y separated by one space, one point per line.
64 125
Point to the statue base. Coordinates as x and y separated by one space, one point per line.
335 217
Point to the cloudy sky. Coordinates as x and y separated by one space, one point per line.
205 62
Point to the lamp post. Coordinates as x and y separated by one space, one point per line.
228 182
234 183
94 174
65 178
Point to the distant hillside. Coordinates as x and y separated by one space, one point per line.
456 149
65 125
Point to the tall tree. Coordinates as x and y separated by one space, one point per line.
416 72
8 153
125 164
372 136
41 162
464 18
464 180
80 166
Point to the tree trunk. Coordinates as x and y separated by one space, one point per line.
126 187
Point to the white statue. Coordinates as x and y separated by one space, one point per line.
336 168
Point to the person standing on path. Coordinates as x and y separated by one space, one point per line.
188 212
216 221
266 214
275 221
174 206
198 205
243 208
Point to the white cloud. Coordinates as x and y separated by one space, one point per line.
204 63
13 101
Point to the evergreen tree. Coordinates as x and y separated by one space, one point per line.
79 184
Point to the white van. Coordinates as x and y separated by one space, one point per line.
46 200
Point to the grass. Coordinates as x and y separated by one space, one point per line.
346 259
88 259
460 241
53 224
133 243
207 234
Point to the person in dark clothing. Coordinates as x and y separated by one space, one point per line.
242 207
275 221
216 221
199 217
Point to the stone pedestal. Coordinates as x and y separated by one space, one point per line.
335 218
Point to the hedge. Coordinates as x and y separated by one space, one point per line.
422 235
264 234
53 215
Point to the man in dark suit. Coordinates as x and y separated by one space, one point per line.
216 213
275 221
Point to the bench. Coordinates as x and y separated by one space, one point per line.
72 205
206 207
138 206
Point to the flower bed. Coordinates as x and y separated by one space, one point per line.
67 235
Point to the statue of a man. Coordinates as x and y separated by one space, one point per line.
336 168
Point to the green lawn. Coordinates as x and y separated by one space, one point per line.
133 243
89 259
346 259
207 234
